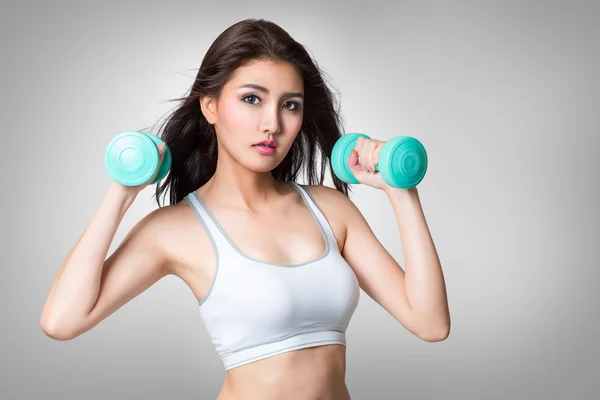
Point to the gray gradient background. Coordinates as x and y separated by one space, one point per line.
504 95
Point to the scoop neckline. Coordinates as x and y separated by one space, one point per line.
247 257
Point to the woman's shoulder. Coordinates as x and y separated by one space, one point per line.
176 219
166 222
184 243
170 216
328 196
336 207
335 204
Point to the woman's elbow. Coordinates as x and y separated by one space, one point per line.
53 329
435 333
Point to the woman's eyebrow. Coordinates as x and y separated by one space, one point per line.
265 90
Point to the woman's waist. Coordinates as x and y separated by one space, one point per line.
313 372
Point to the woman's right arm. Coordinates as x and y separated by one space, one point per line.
88 287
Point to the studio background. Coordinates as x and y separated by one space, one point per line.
504 95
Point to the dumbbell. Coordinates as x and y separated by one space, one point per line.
132 157
402 161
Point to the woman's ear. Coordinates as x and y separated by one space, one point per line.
209 108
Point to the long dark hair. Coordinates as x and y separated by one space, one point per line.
192 140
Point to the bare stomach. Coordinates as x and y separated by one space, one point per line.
314 373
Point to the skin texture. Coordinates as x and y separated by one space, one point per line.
250 205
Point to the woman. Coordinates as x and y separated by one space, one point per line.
275 266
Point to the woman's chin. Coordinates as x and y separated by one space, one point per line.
263 168
259 165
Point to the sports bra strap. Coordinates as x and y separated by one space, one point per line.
217 238
322 220
220 239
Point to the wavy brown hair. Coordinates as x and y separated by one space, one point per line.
192 140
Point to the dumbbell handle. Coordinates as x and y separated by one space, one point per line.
402 160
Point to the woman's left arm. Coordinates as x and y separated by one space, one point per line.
424 281
415 297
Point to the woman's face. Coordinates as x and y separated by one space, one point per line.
262 101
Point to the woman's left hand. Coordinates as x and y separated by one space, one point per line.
363 159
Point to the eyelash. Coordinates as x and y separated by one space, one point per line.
292 102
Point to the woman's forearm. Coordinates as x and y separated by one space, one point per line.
76 285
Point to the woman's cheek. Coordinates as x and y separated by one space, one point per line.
235 119
293 124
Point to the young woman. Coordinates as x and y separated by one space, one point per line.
276 266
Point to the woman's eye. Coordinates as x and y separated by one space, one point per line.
250 96
293 104
253 99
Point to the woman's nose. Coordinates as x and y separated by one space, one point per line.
270 122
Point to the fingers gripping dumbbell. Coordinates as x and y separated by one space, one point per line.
402 160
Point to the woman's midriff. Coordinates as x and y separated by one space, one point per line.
306 374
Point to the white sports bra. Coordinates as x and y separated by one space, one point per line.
256 309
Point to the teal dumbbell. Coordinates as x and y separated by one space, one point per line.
132 157
402 161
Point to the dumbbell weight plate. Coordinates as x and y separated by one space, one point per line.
131 158
402 162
